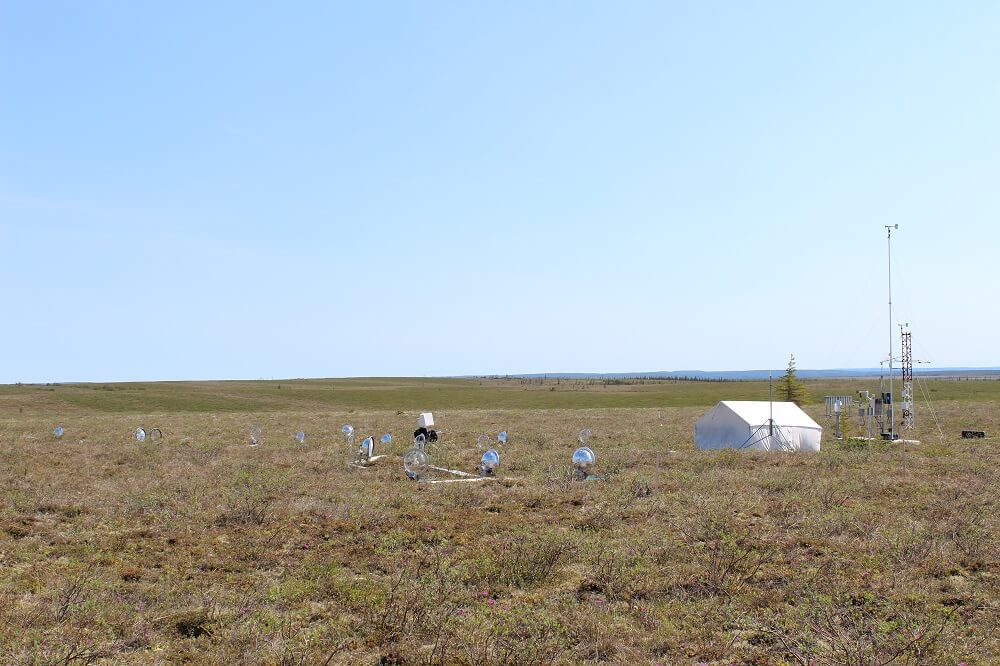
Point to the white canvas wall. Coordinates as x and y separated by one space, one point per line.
743 424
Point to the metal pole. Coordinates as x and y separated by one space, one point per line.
892 401
837 405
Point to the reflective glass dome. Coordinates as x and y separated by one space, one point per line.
584 459
489 462
415 463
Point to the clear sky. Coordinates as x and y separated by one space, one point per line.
245 190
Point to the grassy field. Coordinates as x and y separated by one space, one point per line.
201 549
56 400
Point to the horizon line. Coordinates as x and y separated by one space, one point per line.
651 374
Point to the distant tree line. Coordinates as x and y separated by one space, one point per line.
612 381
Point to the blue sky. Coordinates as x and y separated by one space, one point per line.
224 190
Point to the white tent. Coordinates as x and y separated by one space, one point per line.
746 424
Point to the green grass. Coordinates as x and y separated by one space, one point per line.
412 394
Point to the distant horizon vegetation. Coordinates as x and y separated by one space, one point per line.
989 372
714 375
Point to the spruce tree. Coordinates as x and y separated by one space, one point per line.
790 388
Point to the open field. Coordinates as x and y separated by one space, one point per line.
200 549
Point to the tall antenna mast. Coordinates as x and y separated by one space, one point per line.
892 431
906 364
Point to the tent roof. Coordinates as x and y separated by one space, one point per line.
757 412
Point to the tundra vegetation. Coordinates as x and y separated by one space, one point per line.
201 549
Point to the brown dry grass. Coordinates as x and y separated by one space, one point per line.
200 549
